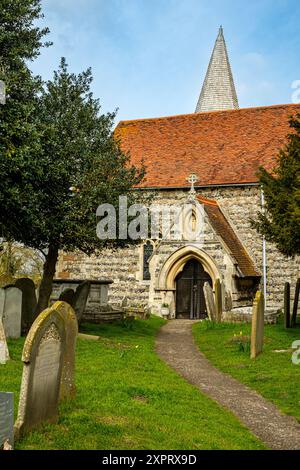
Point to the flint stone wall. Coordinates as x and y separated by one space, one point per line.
125 267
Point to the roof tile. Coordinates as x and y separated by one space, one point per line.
223 228
221 147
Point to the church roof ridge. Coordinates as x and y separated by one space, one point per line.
195 115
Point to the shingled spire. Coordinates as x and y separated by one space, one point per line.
218 91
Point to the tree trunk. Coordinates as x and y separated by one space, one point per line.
47 279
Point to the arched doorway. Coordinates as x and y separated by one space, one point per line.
190 300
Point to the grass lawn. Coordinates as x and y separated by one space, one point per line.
272 374
127 398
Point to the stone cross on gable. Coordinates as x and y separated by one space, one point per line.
192 179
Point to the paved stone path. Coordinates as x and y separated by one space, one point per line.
175 345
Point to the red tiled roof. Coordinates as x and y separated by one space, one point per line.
221 147
235 247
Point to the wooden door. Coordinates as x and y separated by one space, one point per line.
190 300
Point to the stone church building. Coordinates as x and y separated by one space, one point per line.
223 146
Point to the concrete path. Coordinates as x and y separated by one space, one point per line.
175 345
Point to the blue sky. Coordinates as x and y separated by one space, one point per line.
149 57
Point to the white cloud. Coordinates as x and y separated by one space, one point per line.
255 59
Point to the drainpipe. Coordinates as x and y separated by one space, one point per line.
264 251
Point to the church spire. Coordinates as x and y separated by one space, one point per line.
218 91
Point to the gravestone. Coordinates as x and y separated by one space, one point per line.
80 299
287 305
257 330
29 302
97 308
2 301
228 301
295 305
218 296
147 313
48 372
12 312
210 301
4 354
6 419
67 296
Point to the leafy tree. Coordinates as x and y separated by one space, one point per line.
20 42
10 262
77 164
280 223
51 140
19 261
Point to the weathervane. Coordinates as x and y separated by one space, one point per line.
192 179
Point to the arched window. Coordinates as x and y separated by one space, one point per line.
147 253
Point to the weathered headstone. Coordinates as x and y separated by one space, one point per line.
218 296
29 302
2 301
48 372
228 301
67 296
147 312
4 354
12 312
210 302
80 299
6 419
257 330
295 305
287 305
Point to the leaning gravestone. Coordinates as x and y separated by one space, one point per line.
12 312
257 330
210 302
228 301
29 302
147 312
218 296
287 305
4 354
48 373
6 419
68 296
2 301
295 305
80 299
